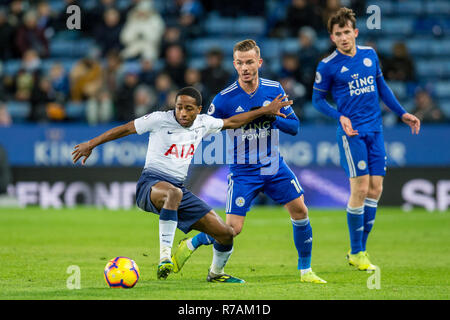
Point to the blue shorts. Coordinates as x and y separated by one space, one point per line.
362 154
191 208
282 187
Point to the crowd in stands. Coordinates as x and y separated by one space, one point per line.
140 55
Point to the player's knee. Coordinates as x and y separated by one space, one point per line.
375 192
360 192
299 213
174 195
226 236
235 229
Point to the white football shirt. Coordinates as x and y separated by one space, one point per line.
171 146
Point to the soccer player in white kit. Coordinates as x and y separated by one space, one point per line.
174 137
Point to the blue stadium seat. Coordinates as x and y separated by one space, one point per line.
249 26
442 89
444 104
57 5
437 7
399 89
410 7
75 111
202 45
18 110
10 67
68 48
270 48
427 68
290 45
386 6
397 26
216 25
66 63
197 63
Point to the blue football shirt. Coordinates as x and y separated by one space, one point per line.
234 100
353 85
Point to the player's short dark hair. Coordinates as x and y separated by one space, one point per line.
247 45
341 18
191 92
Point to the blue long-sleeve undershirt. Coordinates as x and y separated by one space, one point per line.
386 95
289 125
319 101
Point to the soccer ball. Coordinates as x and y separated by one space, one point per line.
121 272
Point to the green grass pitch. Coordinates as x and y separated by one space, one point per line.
37 246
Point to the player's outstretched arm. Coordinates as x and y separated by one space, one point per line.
272 108
85 149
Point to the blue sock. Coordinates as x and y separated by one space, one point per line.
202 239
370 210
166 214
222 247
303 242
355 222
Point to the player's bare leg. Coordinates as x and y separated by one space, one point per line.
359 189
166 199
236 222
302 238
222 234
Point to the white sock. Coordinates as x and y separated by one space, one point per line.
167 230
303 271
220 259
189 244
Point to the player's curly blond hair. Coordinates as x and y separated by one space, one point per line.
246 45
341 18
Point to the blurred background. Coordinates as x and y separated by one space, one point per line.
60 87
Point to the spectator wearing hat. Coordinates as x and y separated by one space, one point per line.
142 32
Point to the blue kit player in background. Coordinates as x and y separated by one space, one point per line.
247 179
353 75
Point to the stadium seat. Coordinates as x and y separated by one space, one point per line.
444 105
11 67
66 63
216 25
18 110
290 45
397 26
201 46
437 7
386 5
75 111
57 5
427 68
270 48
442 89
399 89
249 26
197 63
415 7
68 48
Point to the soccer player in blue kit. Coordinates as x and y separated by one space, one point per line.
353 75
246 180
